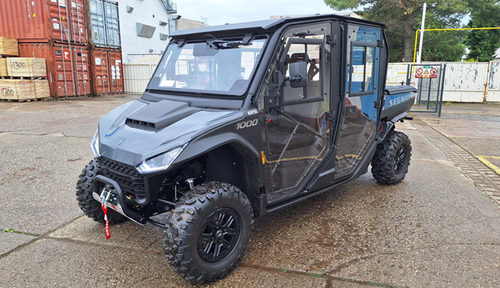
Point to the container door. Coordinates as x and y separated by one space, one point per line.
78 28
360 115
112 24
97 26
296 132
59 20
116 68
81 72
100 72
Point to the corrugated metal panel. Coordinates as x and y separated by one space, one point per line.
67 67
42 20
494 82
97 26
107 71
464 76
494 77
78 26
136 77
104 23
112 24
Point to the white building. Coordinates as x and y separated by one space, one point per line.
144 28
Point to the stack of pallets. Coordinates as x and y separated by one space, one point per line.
21 79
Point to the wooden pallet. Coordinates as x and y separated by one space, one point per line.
22 90
8 46
26 67
3 67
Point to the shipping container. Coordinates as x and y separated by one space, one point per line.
67 67
103 23
112 24
78 24
106 71
97 24
44 20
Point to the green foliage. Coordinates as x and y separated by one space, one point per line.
403 18
483 43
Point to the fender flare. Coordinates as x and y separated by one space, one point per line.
203 145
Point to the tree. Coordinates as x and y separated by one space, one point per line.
483 43
402 18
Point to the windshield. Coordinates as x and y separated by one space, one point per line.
214 66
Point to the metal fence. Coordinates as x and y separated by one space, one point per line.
464 81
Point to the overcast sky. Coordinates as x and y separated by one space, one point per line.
220 12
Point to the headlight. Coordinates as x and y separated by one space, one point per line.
94 145
160 162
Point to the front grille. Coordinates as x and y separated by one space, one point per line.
130 181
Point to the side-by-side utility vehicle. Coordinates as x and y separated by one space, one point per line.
242 120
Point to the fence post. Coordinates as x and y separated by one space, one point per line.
485 93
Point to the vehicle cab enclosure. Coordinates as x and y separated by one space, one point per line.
283 109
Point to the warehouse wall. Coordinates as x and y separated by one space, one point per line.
138 49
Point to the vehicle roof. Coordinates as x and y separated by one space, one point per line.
268 24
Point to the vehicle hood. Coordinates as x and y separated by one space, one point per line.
139 130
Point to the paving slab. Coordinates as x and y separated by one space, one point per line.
126 235
11 240
38 180
58 263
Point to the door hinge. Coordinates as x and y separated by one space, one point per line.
376 104
331 40
380 43
329 116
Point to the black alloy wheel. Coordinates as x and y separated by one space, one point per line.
208 231
221 233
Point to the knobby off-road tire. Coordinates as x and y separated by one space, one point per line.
392 158
208 232
89 206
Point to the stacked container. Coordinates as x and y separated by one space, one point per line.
105 47
57 31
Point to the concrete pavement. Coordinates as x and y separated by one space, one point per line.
440 227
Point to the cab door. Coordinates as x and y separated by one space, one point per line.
361 102
296 130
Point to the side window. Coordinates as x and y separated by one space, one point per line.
361 72
310 53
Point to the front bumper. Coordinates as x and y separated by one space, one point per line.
116 200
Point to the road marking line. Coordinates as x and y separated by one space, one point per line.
491 157
488 163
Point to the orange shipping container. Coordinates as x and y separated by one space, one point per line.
67 67
107 71
44 20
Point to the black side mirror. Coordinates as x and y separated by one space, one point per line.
298 74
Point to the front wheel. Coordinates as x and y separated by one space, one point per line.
208 232
392 158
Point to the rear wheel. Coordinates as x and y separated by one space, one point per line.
89 206
392 158
208 232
